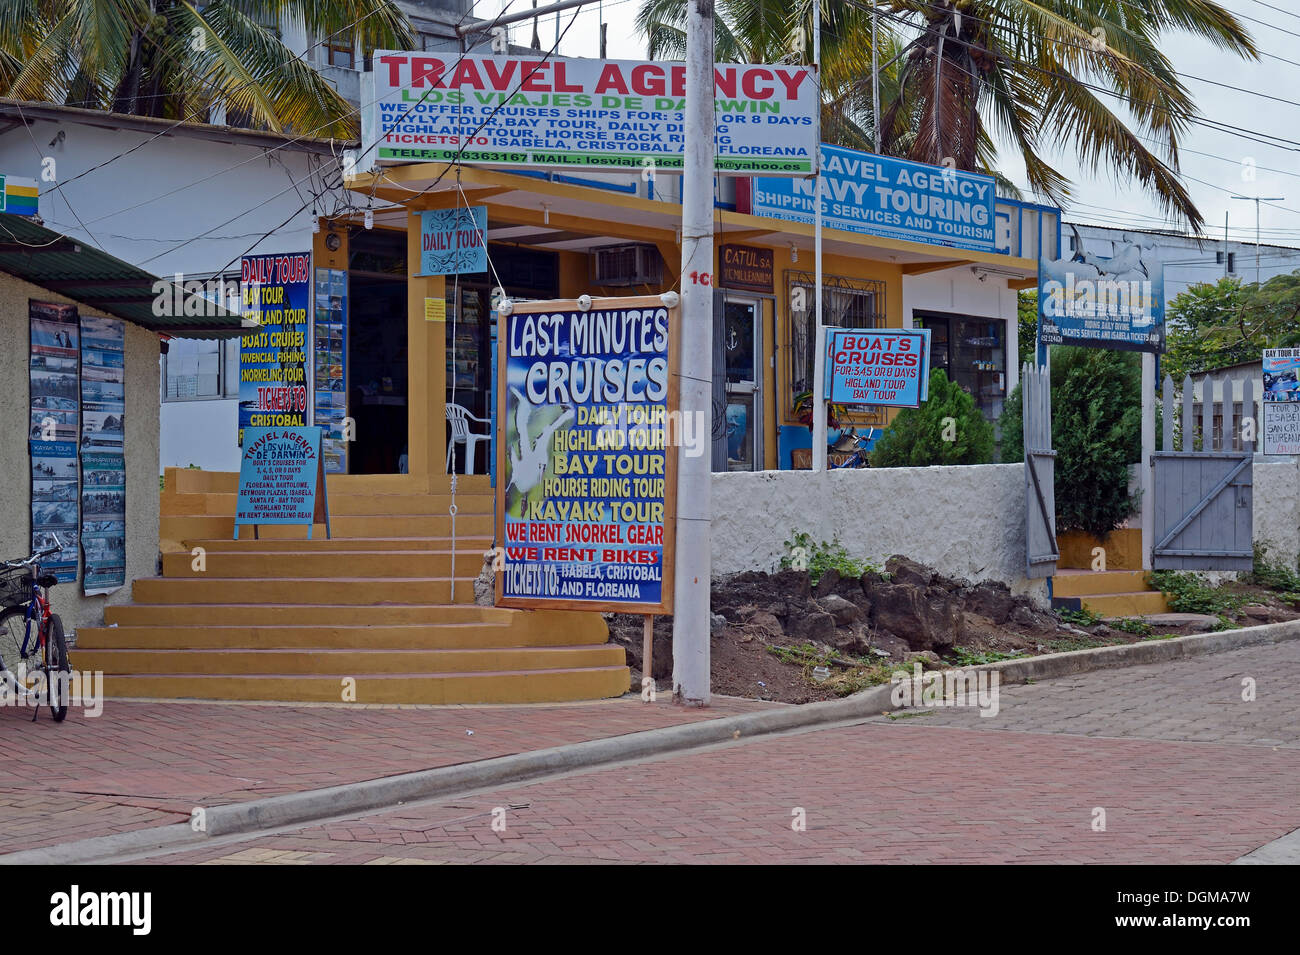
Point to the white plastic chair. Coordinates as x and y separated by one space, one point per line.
459 418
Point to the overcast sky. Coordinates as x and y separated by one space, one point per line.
1099 197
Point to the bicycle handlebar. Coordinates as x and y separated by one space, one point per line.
36 556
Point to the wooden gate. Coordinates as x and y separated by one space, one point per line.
1203 490
1041 552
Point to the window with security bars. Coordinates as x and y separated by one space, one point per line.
846 303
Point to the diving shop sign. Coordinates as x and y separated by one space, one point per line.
586 469
582 113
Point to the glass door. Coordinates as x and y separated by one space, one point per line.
742 348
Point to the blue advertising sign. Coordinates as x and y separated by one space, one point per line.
894 198
281 478
451 241
586 456
329 370
879 366
276 290
1116 302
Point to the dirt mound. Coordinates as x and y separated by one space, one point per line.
766 627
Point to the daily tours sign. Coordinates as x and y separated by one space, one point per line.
273 346
586 468
583 113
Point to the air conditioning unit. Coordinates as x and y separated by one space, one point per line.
633 264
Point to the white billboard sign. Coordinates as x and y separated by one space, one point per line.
563 113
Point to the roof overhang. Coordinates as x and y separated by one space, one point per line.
14 113
94 278
565 215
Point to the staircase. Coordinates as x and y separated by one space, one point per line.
1119 591
371 610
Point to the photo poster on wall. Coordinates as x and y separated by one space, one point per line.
55 422
103 454
330 379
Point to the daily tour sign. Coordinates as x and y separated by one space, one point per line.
1098 302
583 113
273 346
586 469
451 241
1280 428
893 198
282 479
879 366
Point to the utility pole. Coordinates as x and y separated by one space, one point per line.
875 77
819 337
693 563
1257 200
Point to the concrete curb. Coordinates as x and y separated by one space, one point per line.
386 792
1135 654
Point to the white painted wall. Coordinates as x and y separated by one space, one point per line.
966 522
142 208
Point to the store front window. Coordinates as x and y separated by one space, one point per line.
973 353
846 303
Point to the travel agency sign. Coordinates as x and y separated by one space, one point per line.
583 113
893 198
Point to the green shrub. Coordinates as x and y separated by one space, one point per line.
921 437
1133 625
1083 617
803 553
1271 573
1192 593
1096 431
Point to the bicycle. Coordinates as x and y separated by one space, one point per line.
24 600
859 444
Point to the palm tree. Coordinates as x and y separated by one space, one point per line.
178 60
1036 74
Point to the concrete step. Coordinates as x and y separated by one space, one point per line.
354 591
512 686
188 481
189 527
1133 604
221 504
332 563
1123 548
548 628
323 545
1078 583
345 662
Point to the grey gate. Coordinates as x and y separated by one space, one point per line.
1041 552
1203 506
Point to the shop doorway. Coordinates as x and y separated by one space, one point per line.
742 350
525 274
377 352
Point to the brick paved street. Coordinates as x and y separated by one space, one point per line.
144 764
1205 780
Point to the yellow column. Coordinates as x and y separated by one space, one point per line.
427 366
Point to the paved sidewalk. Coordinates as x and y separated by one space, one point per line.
1203 778
1198 699
143 764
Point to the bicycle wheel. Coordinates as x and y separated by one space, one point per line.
12 626
56 669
